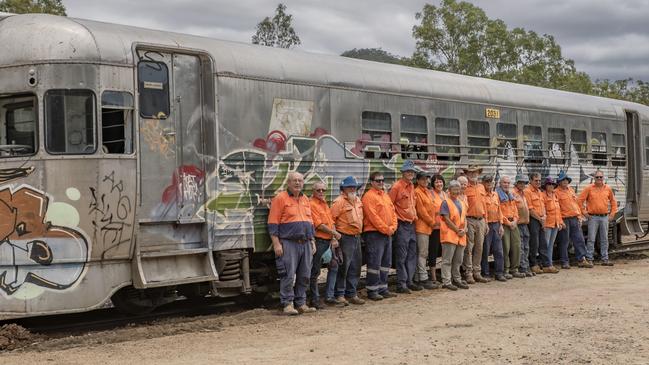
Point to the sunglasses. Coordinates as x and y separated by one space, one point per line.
320 190
379 180
599 177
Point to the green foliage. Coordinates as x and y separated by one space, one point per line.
278 31
635 91
372 54
54 7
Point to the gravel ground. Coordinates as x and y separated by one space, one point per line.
579 316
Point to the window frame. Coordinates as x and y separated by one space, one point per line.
582 155
36 110
141 88
617 160
556 159
94 122
448 156
473 148
500 150
596 156
128 112
533 158
415 150
370 153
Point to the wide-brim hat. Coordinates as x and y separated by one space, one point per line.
549 181
522 178
473 168
349 182
408 165
563 176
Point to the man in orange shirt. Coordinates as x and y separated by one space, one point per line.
291 230
493 243
600 209
523 223
534 201
511 235
402 195
572 218
347 212
326 238
379 224
476 226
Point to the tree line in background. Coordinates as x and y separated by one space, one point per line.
455 37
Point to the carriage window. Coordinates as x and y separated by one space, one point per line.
557 145
376 134
478 135
447 139
598 147
153 86
618 144
117 122
646 150
507 137
70 121
533 143
17 126
414 137
579 143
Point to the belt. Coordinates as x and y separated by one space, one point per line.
574 216
406 222
350 235
600 215
478 218
296 241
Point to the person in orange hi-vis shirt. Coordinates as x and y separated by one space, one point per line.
511 235
402 195
291 231
476 226
347 211
572 218
426 220
600 209
552 225
534 201
523 223
438 185
453 236
379 224
326 238
493 244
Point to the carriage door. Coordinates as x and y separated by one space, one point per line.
633 156
171 145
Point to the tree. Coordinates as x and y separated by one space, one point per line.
627 89
54 7
278 31
373 54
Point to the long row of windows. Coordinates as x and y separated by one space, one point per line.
69 123
561 143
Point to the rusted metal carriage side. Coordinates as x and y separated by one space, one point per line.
139 164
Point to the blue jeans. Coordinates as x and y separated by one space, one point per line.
525 247
536 241
294 271
573 233
597 224
350 271
321 246
550 236
493 245
405 245
378 248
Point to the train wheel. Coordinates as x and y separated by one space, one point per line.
129 300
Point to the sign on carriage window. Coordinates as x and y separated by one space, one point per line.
70 122
598 148
447 139
376 134
153 86
478 139
579 142
18 126
618 145
556 145
533 143
507 137
414 137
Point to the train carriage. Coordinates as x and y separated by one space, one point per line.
138 165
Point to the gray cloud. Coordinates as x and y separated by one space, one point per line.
607 39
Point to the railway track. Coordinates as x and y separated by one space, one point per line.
630 247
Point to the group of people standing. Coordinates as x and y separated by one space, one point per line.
421 219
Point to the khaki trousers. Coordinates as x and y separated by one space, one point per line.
511 249
476 230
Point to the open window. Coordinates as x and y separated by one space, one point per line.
478 139
70 122
579 142
414 137
376 134
598 148
447 139
18 123
533 143
618 145
117 122
557 145
507 139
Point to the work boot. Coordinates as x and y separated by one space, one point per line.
375 297
565 266
317 305
607 263
469 279
509 276
403 290
449 287
342 301
333 301
388 294
429 285
289 310
585 263
536 269
518 275
550 270
528 274
501 278
415 287
356 300
480 279
461 284
306 309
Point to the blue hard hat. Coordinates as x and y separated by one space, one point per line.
408 165
349 182
563 176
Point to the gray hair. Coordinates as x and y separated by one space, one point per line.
462 179
505 178
454 184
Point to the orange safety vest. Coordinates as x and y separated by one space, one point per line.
446 234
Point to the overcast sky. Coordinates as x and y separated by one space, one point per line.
606 38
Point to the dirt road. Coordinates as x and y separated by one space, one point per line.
579 316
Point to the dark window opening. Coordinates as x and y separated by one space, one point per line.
376 135
153 86
414 137
557 145
447 139
598 148
70 121
507 139
478 135
579 144
116 122
618 144
533 144
18 126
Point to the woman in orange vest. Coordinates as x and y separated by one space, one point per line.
453 237
435 245
553 223
426 219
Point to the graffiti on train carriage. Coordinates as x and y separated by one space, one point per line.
111 212
41 246
9 174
